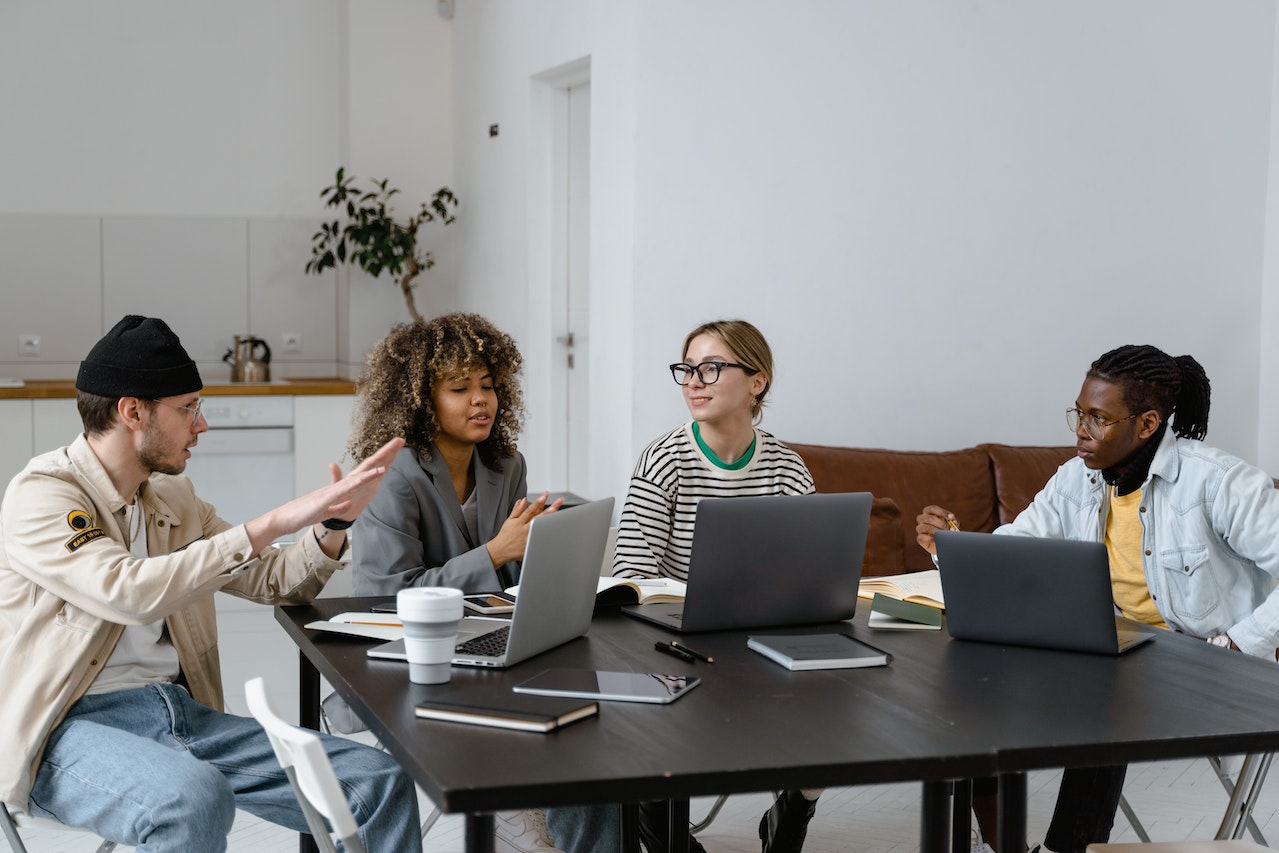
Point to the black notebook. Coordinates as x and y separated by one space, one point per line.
817 651
503 709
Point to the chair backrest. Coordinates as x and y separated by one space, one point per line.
301 754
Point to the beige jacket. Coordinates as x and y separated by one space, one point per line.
68 586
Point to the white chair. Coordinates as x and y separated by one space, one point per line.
11 824
1243 790
1180 847
301 754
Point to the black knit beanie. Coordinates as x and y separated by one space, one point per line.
140 357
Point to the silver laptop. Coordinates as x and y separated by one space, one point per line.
776 560
1019 590
558 579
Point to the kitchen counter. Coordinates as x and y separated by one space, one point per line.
46 389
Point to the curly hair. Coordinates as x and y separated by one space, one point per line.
393 397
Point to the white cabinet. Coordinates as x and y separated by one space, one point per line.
15 427
54 423
321 429
34 426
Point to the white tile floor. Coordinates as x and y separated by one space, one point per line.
1176 800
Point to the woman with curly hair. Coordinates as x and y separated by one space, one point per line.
452 510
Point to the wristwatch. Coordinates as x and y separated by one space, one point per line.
1220 640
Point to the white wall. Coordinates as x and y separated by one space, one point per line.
499 49
211 128
946 211
1268 315
939 213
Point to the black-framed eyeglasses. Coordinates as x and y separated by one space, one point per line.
193 410
707 372
1094 425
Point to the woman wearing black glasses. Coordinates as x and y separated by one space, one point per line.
725 372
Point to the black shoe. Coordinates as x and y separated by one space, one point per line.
783 827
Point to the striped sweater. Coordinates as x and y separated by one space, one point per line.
655 536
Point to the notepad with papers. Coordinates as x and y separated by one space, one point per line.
374 626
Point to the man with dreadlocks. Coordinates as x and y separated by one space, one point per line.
1144 484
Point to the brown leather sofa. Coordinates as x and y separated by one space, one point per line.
984 486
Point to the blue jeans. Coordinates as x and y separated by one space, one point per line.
156 770
586 829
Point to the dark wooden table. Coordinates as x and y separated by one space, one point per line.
942 711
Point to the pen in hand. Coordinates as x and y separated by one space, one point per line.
952 523
694 652
674 651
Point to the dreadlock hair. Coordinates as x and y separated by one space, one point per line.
393 397
1152 379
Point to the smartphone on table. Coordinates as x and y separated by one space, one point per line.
489 603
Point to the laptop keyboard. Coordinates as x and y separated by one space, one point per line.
491 644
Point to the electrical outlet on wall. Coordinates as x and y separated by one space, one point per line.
28 345
291 342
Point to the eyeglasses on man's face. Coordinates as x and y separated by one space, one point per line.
707 372
1094 425
194 411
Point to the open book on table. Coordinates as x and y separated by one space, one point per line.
918 587
610 591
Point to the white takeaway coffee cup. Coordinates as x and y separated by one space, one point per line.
430 615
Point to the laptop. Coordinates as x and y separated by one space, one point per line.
1019 590
558 578
775 560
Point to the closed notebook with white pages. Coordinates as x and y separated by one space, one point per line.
893 614
484 705
818 651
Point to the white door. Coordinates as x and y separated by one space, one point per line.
570 315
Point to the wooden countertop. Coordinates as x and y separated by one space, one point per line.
56 388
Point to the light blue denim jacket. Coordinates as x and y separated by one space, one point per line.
1210 540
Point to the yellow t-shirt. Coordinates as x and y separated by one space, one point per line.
1127 577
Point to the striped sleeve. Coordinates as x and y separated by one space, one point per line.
655 533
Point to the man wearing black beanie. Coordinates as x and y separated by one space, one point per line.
112 709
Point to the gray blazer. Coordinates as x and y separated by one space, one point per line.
413 534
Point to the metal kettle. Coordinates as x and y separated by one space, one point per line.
246 364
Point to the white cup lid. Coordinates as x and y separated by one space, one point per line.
429 603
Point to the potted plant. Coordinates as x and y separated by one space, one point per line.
372 238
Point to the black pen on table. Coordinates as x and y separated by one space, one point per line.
694 652
674 651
